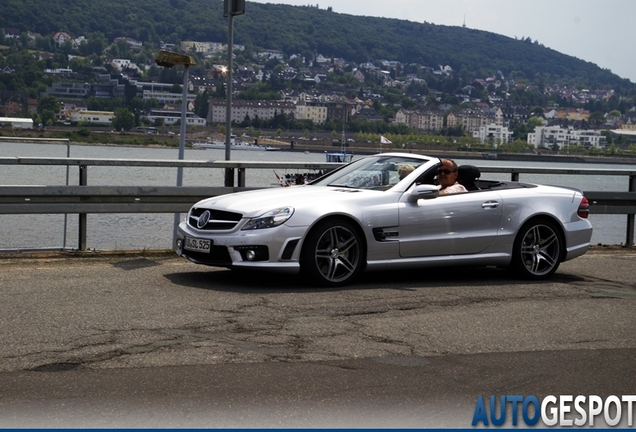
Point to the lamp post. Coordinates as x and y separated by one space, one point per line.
170 59
229 172
230 9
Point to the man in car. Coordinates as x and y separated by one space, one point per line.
447 178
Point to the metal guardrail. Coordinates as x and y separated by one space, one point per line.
84 199
239 166
104 199
173 199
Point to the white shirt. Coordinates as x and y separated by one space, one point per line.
452 189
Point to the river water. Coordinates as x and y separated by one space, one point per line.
154 231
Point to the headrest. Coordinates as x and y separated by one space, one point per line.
468 171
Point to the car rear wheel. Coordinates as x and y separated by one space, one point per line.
332 253
537 250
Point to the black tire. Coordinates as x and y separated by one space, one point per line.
332 254
537 250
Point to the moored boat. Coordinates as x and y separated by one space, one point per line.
340 157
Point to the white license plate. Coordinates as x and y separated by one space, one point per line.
197 245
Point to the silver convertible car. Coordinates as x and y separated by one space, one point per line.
363 216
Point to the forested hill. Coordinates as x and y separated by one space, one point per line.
310 29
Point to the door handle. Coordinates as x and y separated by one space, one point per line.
490 204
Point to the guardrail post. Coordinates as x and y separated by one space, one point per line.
83 181
629 240
241 177
229 177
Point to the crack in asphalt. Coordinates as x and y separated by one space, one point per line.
604 288
178 337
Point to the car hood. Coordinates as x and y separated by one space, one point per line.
252 203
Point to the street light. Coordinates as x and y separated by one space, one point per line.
230 9
170 59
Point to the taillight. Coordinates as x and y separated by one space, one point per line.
584 209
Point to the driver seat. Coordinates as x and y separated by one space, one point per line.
468 176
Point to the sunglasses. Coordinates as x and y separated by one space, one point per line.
445 171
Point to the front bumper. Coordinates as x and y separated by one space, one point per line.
271 248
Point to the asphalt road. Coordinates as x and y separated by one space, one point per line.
155 341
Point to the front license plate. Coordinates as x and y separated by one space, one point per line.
197 245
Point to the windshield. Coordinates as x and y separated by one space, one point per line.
376 172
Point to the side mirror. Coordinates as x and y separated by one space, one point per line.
423 191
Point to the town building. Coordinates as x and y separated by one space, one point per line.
430 120
60 38
162 92
470 119
564 138
262 109
314 111
494 134
68 90
14 104
16 123
338 111
202 47
368 114
511 113
171 117
93 117
106 87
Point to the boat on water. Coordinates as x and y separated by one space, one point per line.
340 157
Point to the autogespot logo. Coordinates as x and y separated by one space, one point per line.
563 410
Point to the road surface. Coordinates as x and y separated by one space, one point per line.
151 340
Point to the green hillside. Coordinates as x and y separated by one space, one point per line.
305 30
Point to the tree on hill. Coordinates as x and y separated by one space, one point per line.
123 120
308 30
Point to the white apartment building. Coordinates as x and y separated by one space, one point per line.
101 117
171 117
17 123
162 92
263 109
168 98
549 136
201 47
315 112
493 133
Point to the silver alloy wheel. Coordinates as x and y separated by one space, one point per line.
540 250
336 253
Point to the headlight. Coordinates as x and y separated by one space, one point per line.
269 219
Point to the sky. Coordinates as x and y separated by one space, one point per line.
597 31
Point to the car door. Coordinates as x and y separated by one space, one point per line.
464 223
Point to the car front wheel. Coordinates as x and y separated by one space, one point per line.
332 254
537 250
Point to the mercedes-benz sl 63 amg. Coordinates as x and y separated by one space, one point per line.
364 216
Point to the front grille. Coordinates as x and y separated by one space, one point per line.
218 256
219 219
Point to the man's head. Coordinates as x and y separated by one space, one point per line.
447 173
